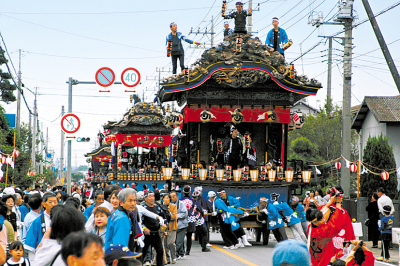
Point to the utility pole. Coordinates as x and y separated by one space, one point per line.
382 44
62 147
69 169
19 96
250 18
34 134
346 15
41 148
47 145
205 32
329 85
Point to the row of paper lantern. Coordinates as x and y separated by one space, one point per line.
237 175
353 169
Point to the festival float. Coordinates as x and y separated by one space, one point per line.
141 127
240 84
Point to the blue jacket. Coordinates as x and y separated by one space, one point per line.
386 224
119 229
180 37
88 212
275 220
283 38
24 211
300 212
290 215
34 234
226 212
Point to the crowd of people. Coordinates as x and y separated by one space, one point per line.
108 225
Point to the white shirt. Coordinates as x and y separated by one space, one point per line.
47 220
383 201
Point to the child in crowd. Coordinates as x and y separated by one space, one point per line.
16 251
100 222
386 230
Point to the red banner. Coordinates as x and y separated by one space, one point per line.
101 158
137 140
245 114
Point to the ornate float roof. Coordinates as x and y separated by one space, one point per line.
142 118
103 150
223 76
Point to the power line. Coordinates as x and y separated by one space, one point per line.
83 36
104 13
94 58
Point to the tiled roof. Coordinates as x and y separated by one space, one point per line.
386 109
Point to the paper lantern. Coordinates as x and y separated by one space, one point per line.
254 175
219 174
15 153
206 116
338 165
298 120
289 175
167 173
271 175
185 173
353 168
385 175
237 175
306 176
3 160
237 116
203 174
177 118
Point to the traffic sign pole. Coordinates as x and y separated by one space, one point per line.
69 169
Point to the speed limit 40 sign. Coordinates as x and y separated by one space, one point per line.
130 77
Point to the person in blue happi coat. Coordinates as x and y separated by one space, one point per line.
40 225
122 225
227 206
276 223
299 210
292 221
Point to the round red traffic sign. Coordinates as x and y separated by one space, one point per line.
70 123
130 77
105 77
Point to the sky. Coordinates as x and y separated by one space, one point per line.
62 39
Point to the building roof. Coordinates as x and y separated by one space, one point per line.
386 109
305 104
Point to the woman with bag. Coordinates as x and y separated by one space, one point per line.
372 223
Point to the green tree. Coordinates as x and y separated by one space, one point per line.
17 175
6 88
323 131
378 153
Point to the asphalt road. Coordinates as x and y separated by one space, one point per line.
253 256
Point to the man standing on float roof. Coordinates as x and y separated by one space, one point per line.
276 37
240 18
227 30
177 49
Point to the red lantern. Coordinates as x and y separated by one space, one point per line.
353 168
385 175
16 153
3 160
338 165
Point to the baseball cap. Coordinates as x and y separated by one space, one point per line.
9 191
211 194
387 209
118 252
291 252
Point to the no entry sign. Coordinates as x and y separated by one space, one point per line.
105 77
130 77
70 123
